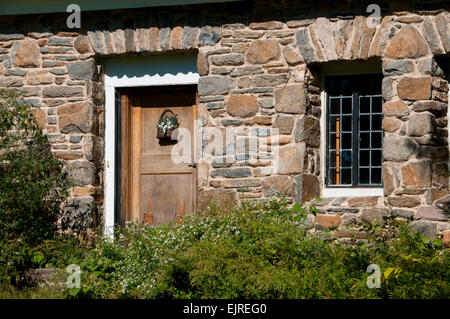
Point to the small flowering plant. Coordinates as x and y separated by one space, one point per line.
167 124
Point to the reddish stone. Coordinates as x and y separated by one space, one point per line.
430 213
362 201
395 108
263 51
327 221
417 174
242 105
414 88
408 43
26 54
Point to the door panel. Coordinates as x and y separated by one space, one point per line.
159 189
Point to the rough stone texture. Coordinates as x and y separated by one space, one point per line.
427 229
371 215
414 88
275 185
307 129
26 54
284 123
417 174
78 214
83 172
307 187
430 213
291 159
327 221
213 85
398 148
408 43
275 65
242 105
421 124
83 70
75 117
290 99
395 108
220 197
263 51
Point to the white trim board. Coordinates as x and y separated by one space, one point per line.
135 72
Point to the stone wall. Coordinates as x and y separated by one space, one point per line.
257 71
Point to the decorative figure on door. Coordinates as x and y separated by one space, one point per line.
167 124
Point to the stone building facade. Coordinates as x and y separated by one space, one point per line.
261 64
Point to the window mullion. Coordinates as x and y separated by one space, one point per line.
355 138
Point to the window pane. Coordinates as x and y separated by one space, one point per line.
364 158
376 104
364 105
347 106
376 175
346 178
376 122
376 158
364 177
364 140
335 158
364 123
346 87
335 141
346 140
335 107
377 139
347 123
334 176
335 124
346 159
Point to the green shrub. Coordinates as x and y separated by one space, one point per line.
261 251
32 181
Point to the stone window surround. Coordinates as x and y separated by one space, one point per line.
132 77
341 69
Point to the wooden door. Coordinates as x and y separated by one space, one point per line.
158 188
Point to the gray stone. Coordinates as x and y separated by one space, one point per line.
430 213
266 103
269 80
78 214
426 228
97 41
387 88
93 148
83 70
14 36
322 202
342 210
338 201
57 41
209 36
442 24
211 99
222 161
232 172
164 38
403 213
74 139
58 71
427 66
291 99
284 124
307 129
232 122
247 70
83 172
397 67
62 91
373 214
189 36
17 72
228 59
421 124
215 106
308 53
213 85
11 82
430 106
398 148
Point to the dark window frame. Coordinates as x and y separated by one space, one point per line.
357 91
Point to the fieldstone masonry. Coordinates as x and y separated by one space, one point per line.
257 70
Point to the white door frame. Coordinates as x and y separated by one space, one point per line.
135 72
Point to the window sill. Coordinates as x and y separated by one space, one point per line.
352 192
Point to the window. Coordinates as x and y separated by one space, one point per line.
354 133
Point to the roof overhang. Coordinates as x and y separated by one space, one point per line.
15 7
